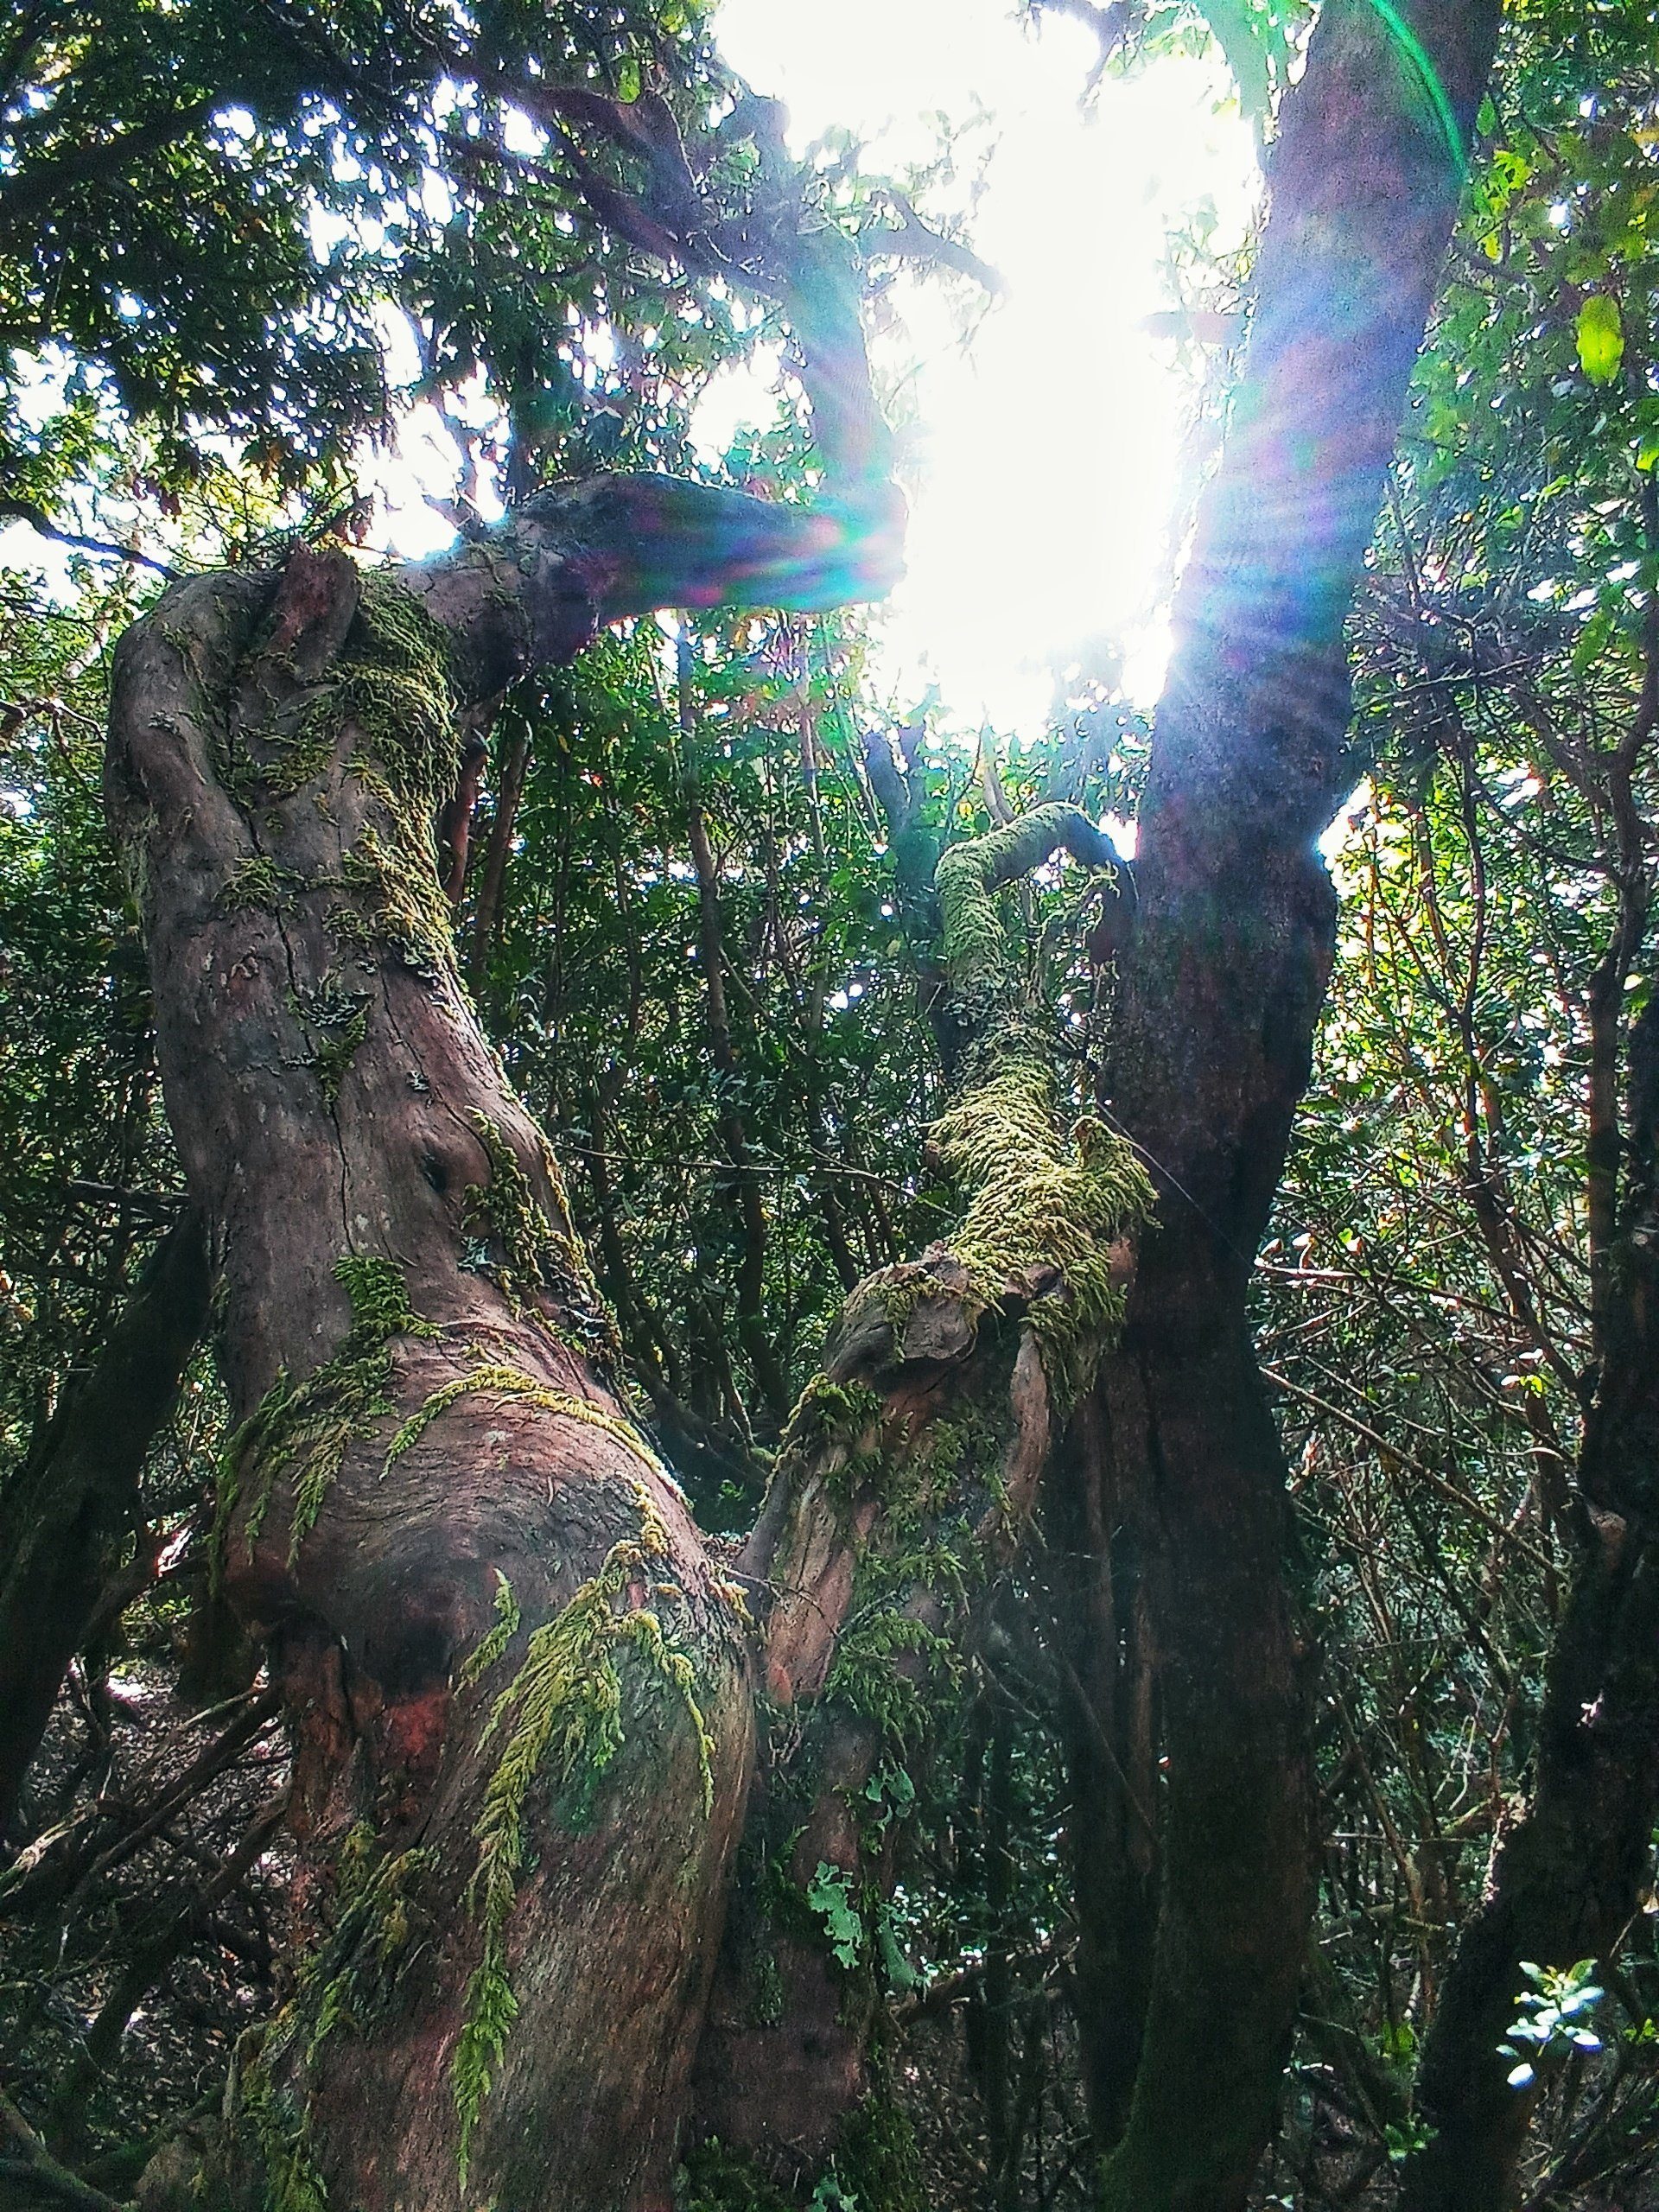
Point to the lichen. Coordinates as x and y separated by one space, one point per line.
303 1430
561 1715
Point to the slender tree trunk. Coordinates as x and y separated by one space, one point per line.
1220 988
1570 1875
76 1505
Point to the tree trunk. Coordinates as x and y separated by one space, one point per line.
1220 988
519 1693
76 1502
1570 1876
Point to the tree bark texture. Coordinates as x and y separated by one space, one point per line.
1220 988
77 1502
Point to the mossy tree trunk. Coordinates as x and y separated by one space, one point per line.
523 1692
519 1693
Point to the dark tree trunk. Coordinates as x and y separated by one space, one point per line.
1570 1875
1220 988
76 1504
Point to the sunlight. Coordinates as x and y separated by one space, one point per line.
1031 543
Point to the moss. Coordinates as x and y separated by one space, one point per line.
401 906
1038 1202
339 1018
302 1430
562 1713
829 1412
714 2179
878 2161
968 876
256 882
491 1646
514 1383
536 1255
876 2168
869 1678
347 1973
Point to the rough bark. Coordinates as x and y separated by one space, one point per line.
1570 1875
495 1627
1220 987
76 1502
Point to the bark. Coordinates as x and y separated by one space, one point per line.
76 1502
1571 1874
500 1640
1220 987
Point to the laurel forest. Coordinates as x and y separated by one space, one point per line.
757 1452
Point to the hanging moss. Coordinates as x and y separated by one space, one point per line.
865 1679
562 1713
491 1646
347 1975
302 1430
1038 1202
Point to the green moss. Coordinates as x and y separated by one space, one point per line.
342 1978
876 2168
714 2179
869 1677
256 882
491 1646
878 2160
563 1715
537 1256
827 1412
339 1018
512 1383
400 905
1040 1202
303 1430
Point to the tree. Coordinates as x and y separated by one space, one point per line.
1000 1651
477 1582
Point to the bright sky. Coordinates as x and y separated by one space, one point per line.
1043 467
1042 457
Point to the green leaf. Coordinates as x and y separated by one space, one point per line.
830 1893
1601 338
